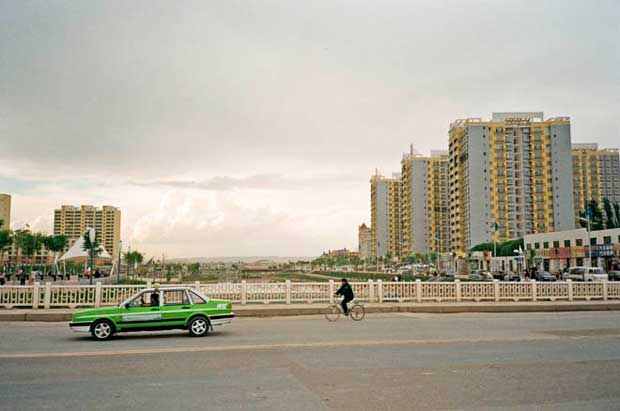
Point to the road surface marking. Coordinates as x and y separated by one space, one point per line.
290 346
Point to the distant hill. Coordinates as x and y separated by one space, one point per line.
247 259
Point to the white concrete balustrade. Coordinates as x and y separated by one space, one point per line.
50 296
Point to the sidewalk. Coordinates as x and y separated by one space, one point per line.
278 310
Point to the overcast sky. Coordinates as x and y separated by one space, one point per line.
252 127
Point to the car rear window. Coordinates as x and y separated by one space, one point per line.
196 298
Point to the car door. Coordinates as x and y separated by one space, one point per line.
143 312
176 308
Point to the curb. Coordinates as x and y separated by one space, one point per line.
248 311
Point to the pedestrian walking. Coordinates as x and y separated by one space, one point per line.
21 274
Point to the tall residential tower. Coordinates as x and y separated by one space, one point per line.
424 213
509 177
596 175
73 221
385 226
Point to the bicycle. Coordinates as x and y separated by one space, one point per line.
356 311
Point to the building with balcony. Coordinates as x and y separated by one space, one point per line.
425 215
73 221
385 227
509 177
596 175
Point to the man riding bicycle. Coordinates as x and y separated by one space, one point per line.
346 291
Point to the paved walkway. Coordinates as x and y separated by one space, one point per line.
276 310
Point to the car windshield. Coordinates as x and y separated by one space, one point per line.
598 271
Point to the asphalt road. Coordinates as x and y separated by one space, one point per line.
533 361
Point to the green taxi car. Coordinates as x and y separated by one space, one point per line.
155 309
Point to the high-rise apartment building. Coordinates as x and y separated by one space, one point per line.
425 215
596 175
73 221
5 210
509 177
365 242
385 226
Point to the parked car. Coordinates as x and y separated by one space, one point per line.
512 277
544 276
156 309
614 275
479 275
585 274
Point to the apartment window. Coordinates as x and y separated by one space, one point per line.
546 244
607 239
566 243
556 244
593 241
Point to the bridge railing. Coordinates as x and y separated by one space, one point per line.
49 295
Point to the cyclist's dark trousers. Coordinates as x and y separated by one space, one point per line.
344 304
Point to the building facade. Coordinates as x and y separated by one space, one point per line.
5 210
385 227
509 177
596 175
73 221
365 241
558 250
425 215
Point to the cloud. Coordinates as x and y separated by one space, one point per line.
257 182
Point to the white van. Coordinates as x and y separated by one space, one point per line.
585 274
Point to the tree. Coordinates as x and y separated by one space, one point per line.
29 243
132 258
598 221
596 216
95 246
6 239
55 244
610 218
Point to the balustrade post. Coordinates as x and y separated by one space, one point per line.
496 290
35 295
457 283
197 285
244 292
605 290
380 290
149 283
533 290
418 290
288 291
47 299
98 294
371 291
569 282
332 290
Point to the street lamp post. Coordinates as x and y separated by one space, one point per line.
118 270
587 221
91 237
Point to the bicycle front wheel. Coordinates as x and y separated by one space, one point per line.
357 313
332 313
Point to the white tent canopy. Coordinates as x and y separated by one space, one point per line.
77 251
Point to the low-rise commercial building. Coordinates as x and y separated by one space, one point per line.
558 250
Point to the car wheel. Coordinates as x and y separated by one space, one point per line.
102 330
198 327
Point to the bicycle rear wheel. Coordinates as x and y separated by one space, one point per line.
332 313
357 313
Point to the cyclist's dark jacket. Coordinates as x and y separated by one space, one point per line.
345 291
